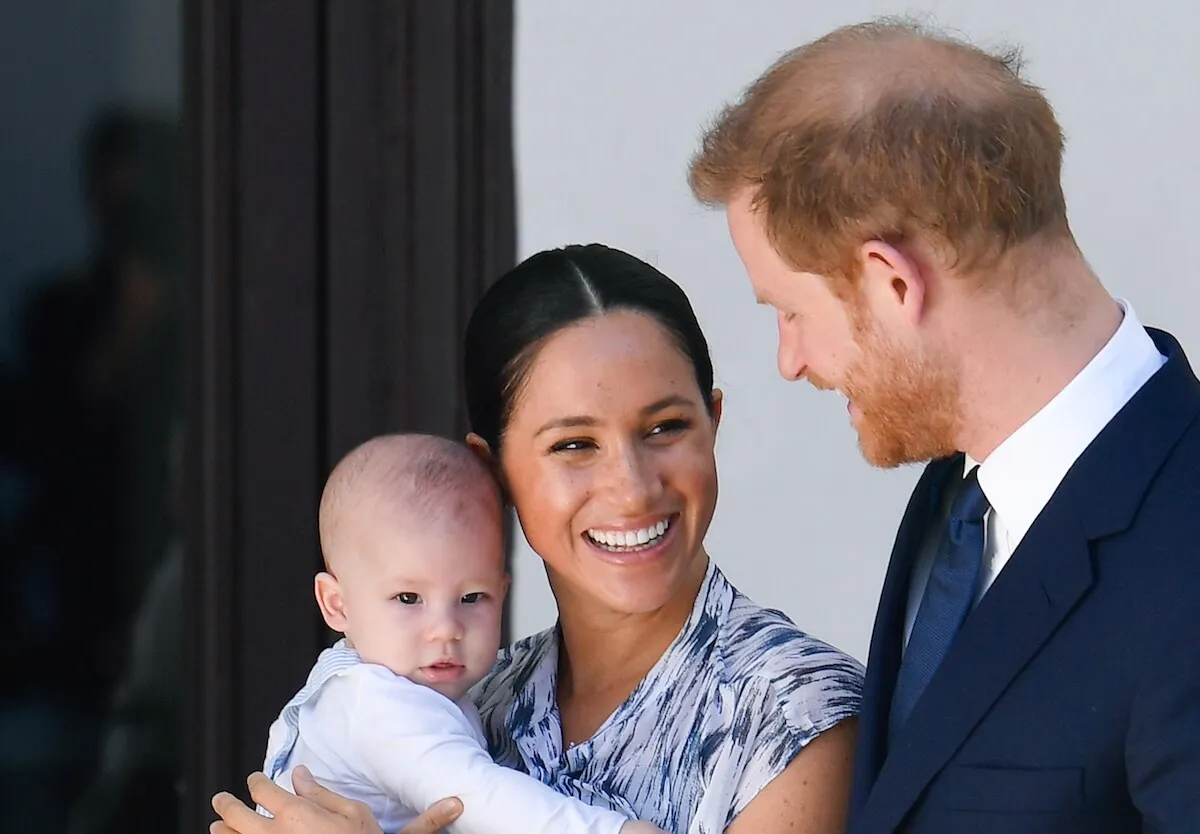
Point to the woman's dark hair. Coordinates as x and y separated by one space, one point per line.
552 290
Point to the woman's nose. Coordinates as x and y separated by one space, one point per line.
635 481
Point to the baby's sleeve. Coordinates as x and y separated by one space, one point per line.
417 746
780 714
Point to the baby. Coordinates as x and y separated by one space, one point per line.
411 531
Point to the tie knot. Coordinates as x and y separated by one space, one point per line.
971 505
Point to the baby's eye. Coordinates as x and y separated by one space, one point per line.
407 598
472 598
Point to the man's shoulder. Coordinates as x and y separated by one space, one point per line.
1165 528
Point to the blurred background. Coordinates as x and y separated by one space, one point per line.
238 237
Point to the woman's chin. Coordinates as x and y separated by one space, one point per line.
640 586
637 601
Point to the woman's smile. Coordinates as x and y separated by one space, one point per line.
633 543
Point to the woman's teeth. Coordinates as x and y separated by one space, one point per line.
629 539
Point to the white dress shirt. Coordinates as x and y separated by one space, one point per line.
1024 471
379 738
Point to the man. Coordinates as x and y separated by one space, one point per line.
1035 664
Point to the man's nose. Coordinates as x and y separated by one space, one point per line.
790 357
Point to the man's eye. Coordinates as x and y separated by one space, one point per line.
473 598
407 598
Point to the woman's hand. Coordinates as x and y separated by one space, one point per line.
314 810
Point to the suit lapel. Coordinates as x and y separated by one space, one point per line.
883 662
1047 576
1021 610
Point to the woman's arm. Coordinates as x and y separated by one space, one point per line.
314 810
811 795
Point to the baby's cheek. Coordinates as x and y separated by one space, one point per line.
484 621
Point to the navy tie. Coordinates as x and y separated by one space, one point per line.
948 598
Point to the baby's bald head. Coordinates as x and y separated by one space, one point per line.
408 479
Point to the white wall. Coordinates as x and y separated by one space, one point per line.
610 96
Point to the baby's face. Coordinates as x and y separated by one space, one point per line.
426 603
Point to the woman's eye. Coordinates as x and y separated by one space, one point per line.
473 598
408 598
572 446
669 427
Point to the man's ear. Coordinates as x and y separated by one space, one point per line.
893 282
329 599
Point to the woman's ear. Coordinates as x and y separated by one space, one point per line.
481 449
484 452
718 403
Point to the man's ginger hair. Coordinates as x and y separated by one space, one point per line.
890 131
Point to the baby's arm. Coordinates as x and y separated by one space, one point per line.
417 747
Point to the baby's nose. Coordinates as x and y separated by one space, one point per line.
446 626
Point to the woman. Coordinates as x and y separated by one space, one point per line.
662 691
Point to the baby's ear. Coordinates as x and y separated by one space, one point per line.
330 601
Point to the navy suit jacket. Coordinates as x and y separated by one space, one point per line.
1070 700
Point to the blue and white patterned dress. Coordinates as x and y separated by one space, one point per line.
731 702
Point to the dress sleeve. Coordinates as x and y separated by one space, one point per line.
419 747
777 715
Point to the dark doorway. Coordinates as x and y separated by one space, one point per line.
353 196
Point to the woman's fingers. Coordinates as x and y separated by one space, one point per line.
313 809
237 816
309 788
436 817
275 799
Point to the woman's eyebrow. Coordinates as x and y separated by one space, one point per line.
578 420
566 423
666 402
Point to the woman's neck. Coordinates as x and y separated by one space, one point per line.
618 650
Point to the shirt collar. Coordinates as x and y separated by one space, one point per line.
1021 475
